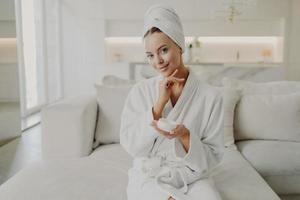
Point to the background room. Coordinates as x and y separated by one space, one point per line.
53 50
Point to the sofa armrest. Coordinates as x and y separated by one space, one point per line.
68 127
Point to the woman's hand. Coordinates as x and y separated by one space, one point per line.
165 87
165 91
180 132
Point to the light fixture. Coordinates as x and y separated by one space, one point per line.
230 9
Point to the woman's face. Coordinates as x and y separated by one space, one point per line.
162 53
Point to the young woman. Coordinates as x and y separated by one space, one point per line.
175 164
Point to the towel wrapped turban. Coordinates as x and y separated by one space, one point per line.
165 18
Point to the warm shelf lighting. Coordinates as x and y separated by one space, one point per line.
214 39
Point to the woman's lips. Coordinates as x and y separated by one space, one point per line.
164 68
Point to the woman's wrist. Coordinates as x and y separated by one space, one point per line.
157 110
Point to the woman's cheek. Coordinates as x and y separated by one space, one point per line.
168 58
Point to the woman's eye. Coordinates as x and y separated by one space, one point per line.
149 56
164 50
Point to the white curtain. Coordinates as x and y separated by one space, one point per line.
39 48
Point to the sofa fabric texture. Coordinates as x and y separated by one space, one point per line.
277 161
84 160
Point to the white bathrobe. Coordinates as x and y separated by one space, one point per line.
161 167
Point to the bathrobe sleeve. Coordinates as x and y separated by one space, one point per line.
207 151
137 136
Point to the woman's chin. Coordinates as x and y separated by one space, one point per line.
167 72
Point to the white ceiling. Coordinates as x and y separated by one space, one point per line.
192 9
135 9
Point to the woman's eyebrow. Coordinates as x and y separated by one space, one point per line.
159 47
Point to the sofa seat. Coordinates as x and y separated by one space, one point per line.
277 161
86 178
236 179
103 176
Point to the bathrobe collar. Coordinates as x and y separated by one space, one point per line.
187 92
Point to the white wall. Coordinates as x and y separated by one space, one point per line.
294 42
83 32
9 90
85 24
7 19
9 83
199 18
10 117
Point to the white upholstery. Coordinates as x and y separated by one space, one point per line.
68 131
112 80
263 116
266 88
111 101
103 176
111 93
277 161
231 97
276 87
274 117
68 127
74 179
236 179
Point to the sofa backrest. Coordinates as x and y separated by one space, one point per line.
269 111
111 96
243 102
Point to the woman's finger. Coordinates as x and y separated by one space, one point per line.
158 129
162 132
171 81
175 130
173 74
176 79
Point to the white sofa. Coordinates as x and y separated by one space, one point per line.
82 159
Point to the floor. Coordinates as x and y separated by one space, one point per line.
10 121
20 152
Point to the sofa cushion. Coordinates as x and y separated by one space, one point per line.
112 92
111 101
235 178
68 127
251 88
76 179
277 161
103 176
113 80
274 117
231 97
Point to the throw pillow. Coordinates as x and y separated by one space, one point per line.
268 117
231 97
111 101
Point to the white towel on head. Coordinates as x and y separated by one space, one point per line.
166 19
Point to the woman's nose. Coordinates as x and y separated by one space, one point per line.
159 60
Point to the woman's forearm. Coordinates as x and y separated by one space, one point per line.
157 110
